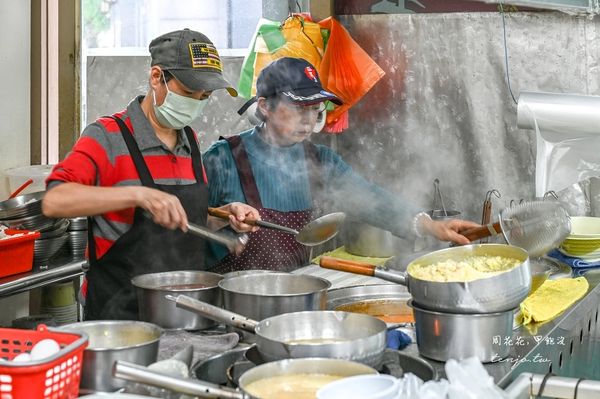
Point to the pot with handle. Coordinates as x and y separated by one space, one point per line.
497 293
321 333
261 295
298 368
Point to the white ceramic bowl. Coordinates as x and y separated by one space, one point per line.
377 386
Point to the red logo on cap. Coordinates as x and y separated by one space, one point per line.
311 73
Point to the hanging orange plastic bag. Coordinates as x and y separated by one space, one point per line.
346 69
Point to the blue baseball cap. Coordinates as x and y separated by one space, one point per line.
293 78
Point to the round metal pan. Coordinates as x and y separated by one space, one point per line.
487 295
330 334
372 300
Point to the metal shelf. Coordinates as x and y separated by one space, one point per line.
60 270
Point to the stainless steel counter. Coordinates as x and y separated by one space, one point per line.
61 269
567 346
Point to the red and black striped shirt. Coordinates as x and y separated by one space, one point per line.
100 158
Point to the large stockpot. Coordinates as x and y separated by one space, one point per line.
330 334
288 367
262 295
498 293
442 336
362 239
154 308
109 341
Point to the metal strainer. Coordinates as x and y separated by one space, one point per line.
536 226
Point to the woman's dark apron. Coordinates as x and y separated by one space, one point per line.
146 247
270 249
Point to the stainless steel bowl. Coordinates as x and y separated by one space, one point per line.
443 336
132 341
44 250
56 230
155 308
22 206
32 222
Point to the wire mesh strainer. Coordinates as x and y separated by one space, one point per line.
536 226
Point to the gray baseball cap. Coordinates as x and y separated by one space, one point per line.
192 58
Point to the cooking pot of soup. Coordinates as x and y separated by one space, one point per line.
284 379
387 302
477 278
330 334
154 308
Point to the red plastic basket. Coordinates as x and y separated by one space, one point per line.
17 253
56 377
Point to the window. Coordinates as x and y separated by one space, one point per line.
118 24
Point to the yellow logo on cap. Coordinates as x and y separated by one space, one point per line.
205 55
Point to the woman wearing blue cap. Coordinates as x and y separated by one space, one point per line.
144 160
276 169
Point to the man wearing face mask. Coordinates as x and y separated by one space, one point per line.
138 176
276 169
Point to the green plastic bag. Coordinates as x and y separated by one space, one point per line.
269 33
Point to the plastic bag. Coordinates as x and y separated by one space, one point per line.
296 37
267 38
346 69
469 379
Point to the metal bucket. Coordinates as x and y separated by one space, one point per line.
132 341
444 336
154 308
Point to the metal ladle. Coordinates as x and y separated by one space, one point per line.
234 244
314 233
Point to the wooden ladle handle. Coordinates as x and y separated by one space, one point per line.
349 266
478 233
219 213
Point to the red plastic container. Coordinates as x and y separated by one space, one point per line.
56 377
16 254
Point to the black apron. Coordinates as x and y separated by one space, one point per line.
146 247
270 249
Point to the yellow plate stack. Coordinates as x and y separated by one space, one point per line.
584 240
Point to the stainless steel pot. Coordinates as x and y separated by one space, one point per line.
487 295
330 334
362 239
109 341
443 336
262 295
304 367
154 308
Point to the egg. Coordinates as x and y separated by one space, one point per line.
22 357
45 348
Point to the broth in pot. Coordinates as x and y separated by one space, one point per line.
293 386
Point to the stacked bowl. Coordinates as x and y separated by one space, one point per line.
77 231
584 240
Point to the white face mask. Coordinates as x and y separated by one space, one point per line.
177 111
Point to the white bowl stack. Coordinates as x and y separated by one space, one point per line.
584 240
